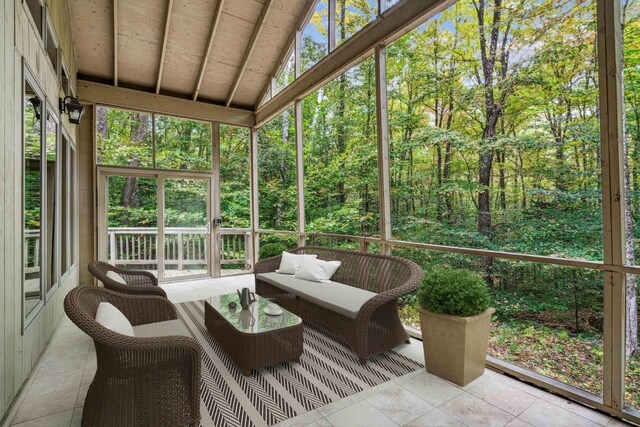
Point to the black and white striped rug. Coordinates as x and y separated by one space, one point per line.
327 372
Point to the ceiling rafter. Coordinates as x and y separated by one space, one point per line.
115 42
247 53
303 18
167 26
205 59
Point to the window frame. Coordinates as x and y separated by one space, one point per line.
32 20
57 223
27 318
50 30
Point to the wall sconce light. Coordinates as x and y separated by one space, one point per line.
73 108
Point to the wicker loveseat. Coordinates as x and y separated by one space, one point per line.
146 380
369 321
138 282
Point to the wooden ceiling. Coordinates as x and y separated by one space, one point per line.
217 51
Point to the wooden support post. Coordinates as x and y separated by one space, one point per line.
384 193
300 172
214 238
331 20
611 135
255 223
116 30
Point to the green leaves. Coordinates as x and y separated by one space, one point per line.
456 292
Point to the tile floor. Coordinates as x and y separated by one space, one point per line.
55 395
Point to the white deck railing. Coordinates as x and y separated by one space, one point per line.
183 247
31 251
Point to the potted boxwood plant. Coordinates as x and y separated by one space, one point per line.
455 319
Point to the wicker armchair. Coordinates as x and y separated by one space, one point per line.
138 282
140 381
377 326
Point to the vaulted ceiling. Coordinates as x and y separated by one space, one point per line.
217 51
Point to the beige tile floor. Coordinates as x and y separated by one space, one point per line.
55 394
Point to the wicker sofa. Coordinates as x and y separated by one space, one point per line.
138 282
360 303
150 379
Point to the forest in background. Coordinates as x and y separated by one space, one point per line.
494 144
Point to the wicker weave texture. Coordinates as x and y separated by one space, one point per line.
377 326
139 282
257 350
139 381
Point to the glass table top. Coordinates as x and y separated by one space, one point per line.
255 319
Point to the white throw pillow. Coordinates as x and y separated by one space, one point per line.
115 276
317 270
112 318
290 263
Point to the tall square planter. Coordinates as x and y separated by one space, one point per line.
455 348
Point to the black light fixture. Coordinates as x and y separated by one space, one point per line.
73 108
35 102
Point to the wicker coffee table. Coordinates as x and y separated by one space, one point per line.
252 338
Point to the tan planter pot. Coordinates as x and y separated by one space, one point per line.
455 348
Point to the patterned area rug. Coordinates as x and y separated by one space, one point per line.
327 372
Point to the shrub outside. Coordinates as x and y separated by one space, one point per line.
455 292
271 249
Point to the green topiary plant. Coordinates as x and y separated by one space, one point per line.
456 292
271 249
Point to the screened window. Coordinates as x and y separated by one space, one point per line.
52 45
314 44
235 180
124 138
288 73
340 155
182 144
277 173
352 16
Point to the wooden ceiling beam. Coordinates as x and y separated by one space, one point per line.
247 53
115 42
102 94
205 59
303 18
388 27
167 26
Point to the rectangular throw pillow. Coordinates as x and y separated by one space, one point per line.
116 277
317 270
112 318
290 263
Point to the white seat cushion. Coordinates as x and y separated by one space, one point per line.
335 296
162 329
116 277
112 318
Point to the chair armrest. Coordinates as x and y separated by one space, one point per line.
137 277
134 289
267 265
143 309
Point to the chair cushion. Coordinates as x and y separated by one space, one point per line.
112 318
335 296
290 263
161 329
116 277
317 270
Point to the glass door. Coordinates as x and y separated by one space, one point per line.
186 234
155 221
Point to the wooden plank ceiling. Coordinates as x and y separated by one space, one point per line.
216 51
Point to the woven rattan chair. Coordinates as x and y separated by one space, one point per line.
139 282
140 381
377 326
